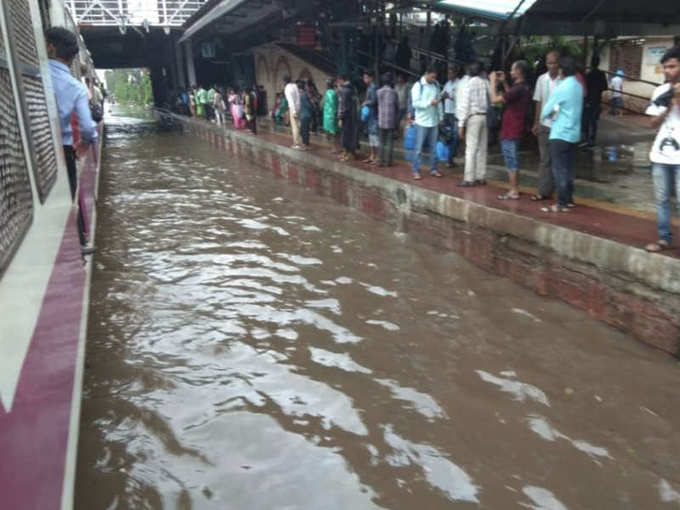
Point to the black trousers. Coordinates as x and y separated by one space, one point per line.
591 116
305 123
386 141
252 124
72 169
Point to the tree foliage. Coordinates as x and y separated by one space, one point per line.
132 86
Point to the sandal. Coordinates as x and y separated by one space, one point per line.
417 176
466 184
555 208
436 174
507 196
660 245
538 198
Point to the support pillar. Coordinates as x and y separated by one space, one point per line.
191 70
181 80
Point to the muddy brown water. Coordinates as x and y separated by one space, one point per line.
254 346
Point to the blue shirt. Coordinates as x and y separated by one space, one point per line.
72 95
567 98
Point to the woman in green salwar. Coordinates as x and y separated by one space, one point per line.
330 114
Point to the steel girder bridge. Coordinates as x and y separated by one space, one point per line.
146 14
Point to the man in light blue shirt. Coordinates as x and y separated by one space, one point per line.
565 106
62 47
426 101
71 95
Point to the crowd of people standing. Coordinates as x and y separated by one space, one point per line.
217 104
561 110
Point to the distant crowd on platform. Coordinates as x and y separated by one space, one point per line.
218 104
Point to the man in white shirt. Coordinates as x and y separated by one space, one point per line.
471 109
616 86
450 121
665 154
545 85
293 98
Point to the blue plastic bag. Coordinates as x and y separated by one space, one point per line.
365 113
443 151
410 138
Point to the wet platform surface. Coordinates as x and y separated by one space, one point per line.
603 219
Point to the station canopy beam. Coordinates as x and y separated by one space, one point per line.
135 13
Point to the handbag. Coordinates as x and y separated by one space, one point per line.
365 113
443 151
410 138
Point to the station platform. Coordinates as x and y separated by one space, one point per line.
619 210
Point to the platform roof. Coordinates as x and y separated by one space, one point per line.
488 9
229 16
570 17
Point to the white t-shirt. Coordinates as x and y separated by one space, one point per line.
545 85
666 147
616 84
292 97
451 89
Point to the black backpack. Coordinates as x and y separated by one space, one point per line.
97 111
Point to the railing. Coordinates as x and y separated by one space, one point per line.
646 99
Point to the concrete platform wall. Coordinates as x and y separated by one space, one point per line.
618 284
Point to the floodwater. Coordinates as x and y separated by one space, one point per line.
254 346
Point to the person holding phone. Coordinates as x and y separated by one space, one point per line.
515 98
425 98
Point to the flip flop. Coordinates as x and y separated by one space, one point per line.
555 208
658 246
508 196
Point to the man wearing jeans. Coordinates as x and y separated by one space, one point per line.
425 98
516 101
545 85
665 154
565 107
